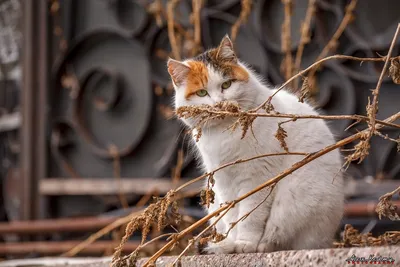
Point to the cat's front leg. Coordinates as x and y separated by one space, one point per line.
251 229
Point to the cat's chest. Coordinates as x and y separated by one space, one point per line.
222 149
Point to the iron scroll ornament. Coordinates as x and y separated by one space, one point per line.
119 65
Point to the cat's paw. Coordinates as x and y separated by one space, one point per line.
265 247
243 246
226 246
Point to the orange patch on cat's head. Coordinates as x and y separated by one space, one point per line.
197 78
239 73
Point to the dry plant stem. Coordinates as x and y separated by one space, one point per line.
147 243
332 44
305 37
171 29
294 117
244 217
314 65
270 182
238 162
373 108
117 175
124 220
244 14
197 5
191 243
390 194
286 38
119 222
347 19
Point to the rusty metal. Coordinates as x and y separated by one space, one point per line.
110 186
28 96
355 209
363 209
53 247
34 104
55 226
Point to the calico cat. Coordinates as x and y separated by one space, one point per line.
305 208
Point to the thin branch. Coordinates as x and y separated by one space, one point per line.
191 243
292 117
171 28
238 162
314 65
372 109
286 39
305 36
244 14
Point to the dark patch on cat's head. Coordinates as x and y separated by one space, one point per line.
223 59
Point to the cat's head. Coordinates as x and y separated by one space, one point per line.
211 77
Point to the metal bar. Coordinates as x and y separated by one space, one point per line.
28 115
41 121
55 226
357 209
53 248
363 209
35 74
110 186
9 122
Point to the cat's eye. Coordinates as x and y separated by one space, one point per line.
202 93
226 84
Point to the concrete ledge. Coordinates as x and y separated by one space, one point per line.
323 257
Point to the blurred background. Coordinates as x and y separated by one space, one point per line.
87 129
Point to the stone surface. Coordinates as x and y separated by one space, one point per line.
323 257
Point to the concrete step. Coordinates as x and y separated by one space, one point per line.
323 257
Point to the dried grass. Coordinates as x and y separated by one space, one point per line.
352 238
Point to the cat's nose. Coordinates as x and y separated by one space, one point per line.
218 98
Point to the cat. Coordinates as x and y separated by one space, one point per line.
304 209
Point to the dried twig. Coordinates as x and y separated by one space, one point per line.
107 229
314 65
286 39
192 242
171 28
206 110
372 109
117 175
333 42
197 5
244 14
305 36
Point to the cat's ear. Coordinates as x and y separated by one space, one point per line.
225 50
177 70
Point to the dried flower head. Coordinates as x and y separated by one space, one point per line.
386 208
155 213
361 150
220 110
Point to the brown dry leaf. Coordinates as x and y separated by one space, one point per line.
281 134
305 90
394 70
